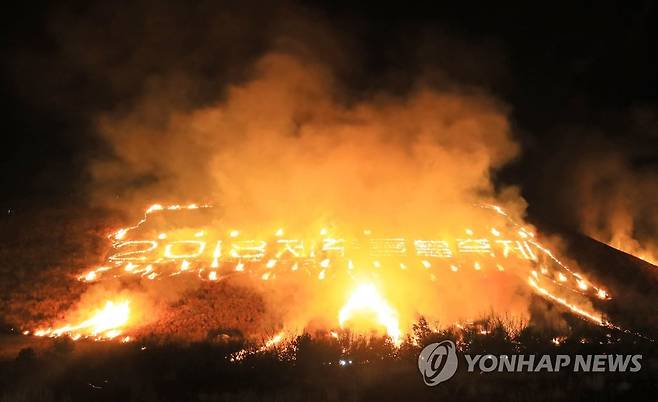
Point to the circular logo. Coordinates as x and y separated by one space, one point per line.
438 362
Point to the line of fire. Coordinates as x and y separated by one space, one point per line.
178 241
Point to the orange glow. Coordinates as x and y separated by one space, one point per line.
105 323
404 265
366 299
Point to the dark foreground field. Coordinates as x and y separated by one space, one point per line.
319 369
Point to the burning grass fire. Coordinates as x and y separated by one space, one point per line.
105 323
384 275
366 299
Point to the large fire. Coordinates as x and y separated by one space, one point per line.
366 299
105 323
160 248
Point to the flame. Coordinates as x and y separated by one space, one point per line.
106 323
366 298
275 340
121 233
574 308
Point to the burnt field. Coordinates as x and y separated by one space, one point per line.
211 346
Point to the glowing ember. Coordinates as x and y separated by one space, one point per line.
366 299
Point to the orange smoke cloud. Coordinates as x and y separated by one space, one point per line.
288 148
284 138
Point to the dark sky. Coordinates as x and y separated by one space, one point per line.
567 72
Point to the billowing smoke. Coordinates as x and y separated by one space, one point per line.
618 206
287 137
290 146
607 188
